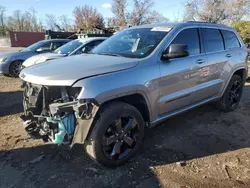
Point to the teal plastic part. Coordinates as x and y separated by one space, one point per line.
61 131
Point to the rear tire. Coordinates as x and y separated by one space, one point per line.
117 134
15 68
231 98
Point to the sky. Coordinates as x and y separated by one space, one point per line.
169 8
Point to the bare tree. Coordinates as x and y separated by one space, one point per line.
23 21
65 23
118 9
87 17
34 20
50 21
19 20
216 11
110 22
2 17
40 24
156 17
142 12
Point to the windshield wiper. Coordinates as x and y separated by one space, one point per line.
110 54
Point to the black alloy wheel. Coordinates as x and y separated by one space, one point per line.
120 138
116 135
232 95
235 94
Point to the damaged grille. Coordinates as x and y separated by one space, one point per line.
49 112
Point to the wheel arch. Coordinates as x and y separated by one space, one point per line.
240 71
136 99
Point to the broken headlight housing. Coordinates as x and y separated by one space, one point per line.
50 112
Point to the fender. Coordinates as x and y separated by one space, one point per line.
231 75
107 87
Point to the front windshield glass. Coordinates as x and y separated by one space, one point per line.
34 47
133 43
69 47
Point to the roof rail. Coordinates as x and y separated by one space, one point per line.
199 22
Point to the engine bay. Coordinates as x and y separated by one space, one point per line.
52 113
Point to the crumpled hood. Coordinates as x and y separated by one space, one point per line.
66 71
41 58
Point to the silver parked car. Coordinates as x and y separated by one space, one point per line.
11 62
74 47
137 78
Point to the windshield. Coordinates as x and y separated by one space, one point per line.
34 47
133 43
69 47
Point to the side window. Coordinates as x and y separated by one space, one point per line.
56 45
46 46
88 47
189 37
213 40
230 39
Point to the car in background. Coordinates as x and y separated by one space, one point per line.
11 62
75 47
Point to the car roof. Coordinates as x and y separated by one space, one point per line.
88 39
56 40
184 24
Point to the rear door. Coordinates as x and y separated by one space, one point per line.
234 53
210 72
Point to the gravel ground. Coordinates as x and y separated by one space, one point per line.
201 148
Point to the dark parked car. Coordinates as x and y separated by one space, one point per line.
11 62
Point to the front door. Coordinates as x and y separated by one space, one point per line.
179 76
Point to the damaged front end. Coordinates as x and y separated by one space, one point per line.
53 113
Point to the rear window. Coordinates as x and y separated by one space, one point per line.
230 39
213 40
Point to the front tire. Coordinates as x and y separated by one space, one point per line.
15 68
231 98
117 134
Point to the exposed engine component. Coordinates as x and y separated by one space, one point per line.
50 112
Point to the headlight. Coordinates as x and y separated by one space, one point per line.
2 60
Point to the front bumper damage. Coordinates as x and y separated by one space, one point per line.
55 114
85 112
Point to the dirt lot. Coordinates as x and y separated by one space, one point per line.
201 148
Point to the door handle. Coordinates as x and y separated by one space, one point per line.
200 61
228 55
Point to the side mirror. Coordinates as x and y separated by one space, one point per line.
175 51
39 50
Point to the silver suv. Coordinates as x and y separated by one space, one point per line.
135 79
